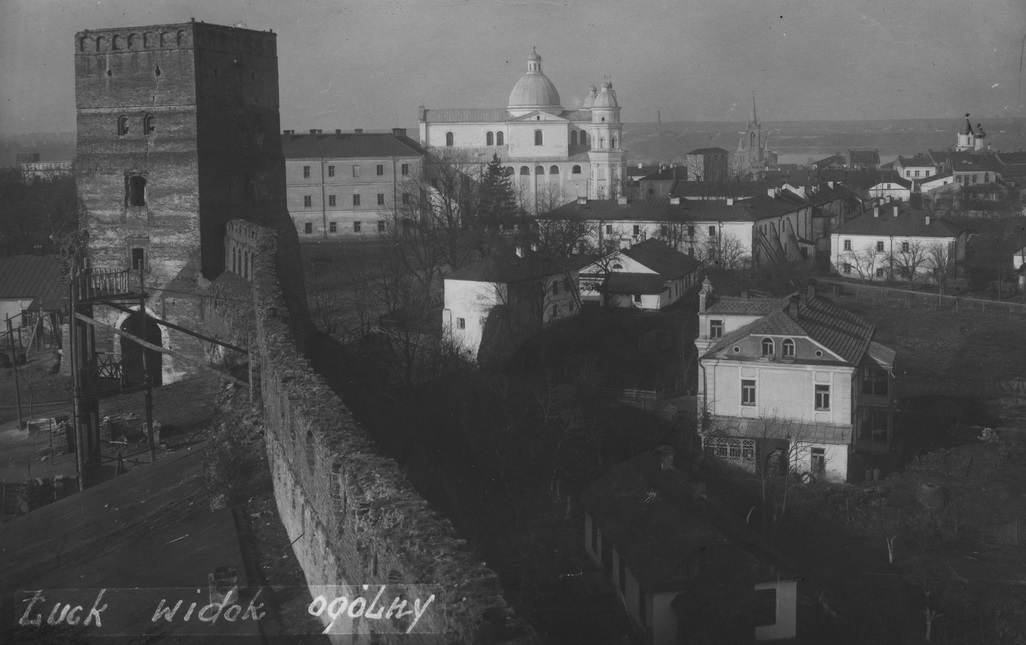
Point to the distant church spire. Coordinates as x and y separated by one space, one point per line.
755 119
968 125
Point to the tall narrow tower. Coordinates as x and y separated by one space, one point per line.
607 157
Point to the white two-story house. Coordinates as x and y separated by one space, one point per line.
798 379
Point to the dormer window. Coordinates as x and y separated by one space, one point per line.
787 348
767 347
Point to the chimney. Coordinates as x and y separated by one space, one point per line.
358 130
895 210
792 306
582 201
338 132
730 201
640 165
927 220
398 132
665 457
876 211
810 290
621 200
770 191
675 200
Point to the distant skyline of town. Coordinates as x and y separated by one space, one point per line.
370 65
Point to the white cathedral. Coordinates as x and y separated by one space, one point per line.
556 154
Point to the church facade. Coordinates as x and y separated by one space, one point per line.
556 154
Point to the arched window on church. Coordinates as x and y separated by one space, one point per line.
115 42
584 138
490 139
181 38
448 139
101 44
554 170
82 44
498 139
612 143
537 137
133 41
148 39
576 170
165 39
122 126
525 171
573 137
538 170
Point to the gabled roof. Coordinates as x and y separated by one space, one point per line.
35 277
672 172
830 161
653 520
894 178
818 318
506 267
917 161
910 222
669 263
365 145
864 156
743 306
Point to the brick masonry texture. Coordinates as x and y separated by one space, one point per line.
354 519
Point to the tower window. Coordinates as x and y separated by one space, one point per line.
122 126
307 201
138 257
584 138
538 137
115 42
135 191
150 122
448 138
498 139
573 137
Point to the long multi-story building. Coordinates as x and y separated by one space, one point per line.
344 185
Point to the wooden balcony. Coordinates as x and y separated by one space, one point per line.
116 284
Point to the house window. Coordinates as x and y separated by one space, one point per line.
879 246
715 329
846 268
379 170
712 231
904 247
637 230
498 138
333 227
307 201
822 397
306 172
381 226
404 169
917 173
986 177
331 171
308 228
747 391
122 126
448 139
381 199
788 348
356 200
767 347
576 170
847 245
819 461
691 231
461 323
537 137
135 191
609 229
357 226
356 170
331 200
637 298
490 139
138 259
406 198
879 273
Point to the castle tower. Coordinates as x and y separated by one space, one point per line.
607 157
177 134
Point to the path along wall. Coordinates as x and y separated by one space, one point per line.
354 519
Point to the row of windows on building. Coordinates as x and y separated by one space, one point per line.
967 179
498 138
333 227
379 170
880 246
333 200
664 230
821 395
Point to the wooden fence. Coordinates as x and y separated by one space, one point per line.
911 299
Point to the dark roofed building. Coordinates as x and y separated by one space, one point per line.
708 164
340 185
30 283
649 275
833 162
863 159
681 560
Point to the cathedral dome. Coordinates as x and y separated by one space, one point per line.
606 97
590 100
534 91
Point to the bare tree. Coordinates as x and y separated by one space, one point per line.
864 261
911 257
940 262
564 237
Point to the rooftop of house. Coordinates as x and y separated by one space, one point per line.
666 261
669 537
899 220
918 160
349 145
701 210
864 156
1012 157
509 266
721 189
815 317
669 172
938 176
832 160
894 178
487 115
35 277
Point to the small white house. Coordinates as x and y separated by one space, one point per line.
649 275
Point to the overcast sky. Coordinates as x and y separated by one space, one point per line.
370 63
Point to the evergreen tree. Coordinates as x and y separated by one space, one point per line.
498 203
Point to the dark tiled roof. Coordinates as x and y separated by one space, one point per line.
651 517
909 223
864 156
1012 157
743 306
832 160
894 178
669 263
709 151
366 145
721 190
505 267
32 276
834 327
919 160
666 173
648 283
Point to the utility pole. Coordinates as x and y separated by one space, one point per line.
14 366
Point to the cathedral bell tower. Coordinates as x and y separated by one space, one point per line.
607 158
